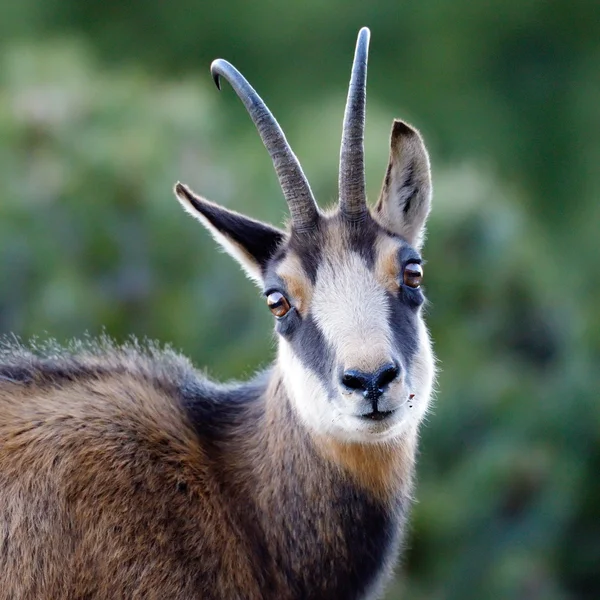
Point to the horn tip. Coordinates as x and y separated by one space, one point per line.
215 72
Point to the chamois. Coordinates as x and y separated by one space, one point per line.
125 473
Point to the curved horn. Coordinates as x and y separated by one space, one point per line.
297 192
353 202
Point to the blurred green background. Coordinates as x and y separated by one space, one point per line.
104 105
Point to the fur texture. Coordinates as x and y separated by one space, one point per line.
125 474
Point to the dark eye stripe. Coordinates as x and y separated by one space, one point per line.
408 256
404 326
313 350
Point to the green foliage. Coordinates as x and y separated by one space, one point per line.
103 108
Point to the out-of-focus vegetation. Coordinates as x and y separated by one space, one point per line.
103 106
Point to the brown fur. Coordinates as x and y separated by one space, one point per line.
387 268
108 490
376 467
297 283
91 479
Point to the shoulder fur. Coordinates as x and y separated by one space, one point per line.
101 464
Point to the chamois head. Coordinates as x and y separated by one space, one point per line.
344 286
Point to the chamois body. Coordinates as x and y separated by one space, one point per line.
126 474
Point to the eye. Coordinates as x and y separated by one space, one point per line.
413 275
278 304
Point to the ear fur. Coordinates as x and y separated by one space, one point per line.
250 242
405 199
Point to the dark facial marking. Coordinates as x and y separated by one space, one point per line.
308 247
404 327
409 254
312 349
362 238
272 281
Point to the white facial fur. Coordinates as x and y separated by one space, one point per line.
350 308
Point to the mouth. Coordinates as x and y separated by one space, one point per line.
377 415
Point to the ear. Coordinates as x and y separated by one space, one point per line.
405 198
250 242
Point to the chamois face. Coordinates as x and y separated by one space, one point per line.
353 348
347 300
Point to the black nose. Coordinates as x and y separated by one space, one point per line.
371 384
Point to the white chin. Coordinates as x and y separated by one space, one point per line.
360 429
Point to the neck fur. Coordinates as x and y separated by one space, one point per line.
384 469
312 503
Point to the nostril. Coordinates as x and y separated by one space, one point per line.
386 375
354 380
